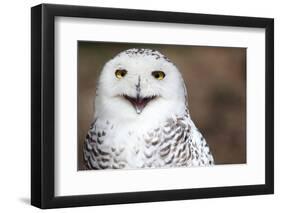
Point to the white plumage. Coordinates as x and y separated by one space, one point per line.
141 116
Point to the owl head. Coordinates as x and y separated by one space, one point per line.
140 84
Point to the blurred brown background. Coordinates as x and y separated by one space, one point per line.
216 84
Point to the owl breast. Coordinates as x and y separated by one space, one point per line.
172 143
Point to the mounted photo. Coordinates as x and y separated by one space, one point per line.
160 106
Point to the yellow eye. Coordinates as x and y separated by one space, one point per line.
159 75
120 73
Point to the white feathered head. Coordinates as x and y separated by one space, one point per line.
140 84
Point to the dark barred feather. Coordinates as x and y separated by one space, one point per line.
175 143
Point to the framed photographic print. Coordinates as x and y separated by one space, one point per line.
139 106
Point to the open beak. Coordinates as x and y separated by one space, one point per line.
139 102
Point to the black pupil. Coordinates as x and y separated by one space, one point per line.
158 74
122 73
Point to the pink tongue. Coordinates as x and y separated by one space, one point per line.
139 105
141 102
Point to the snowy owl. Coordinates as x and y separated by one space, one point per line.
141 116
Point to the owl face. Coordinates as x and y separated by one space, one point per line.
139 83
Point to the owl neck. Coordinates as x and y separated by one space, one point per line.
149 118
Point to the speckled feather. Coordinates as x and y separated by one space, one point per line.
173 144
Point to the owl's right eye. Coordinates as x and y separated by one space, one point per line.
120 73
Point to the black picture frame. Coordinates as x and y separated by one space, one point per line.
43 105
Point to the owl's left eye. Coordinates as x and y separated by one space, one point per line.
120 73
159 75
